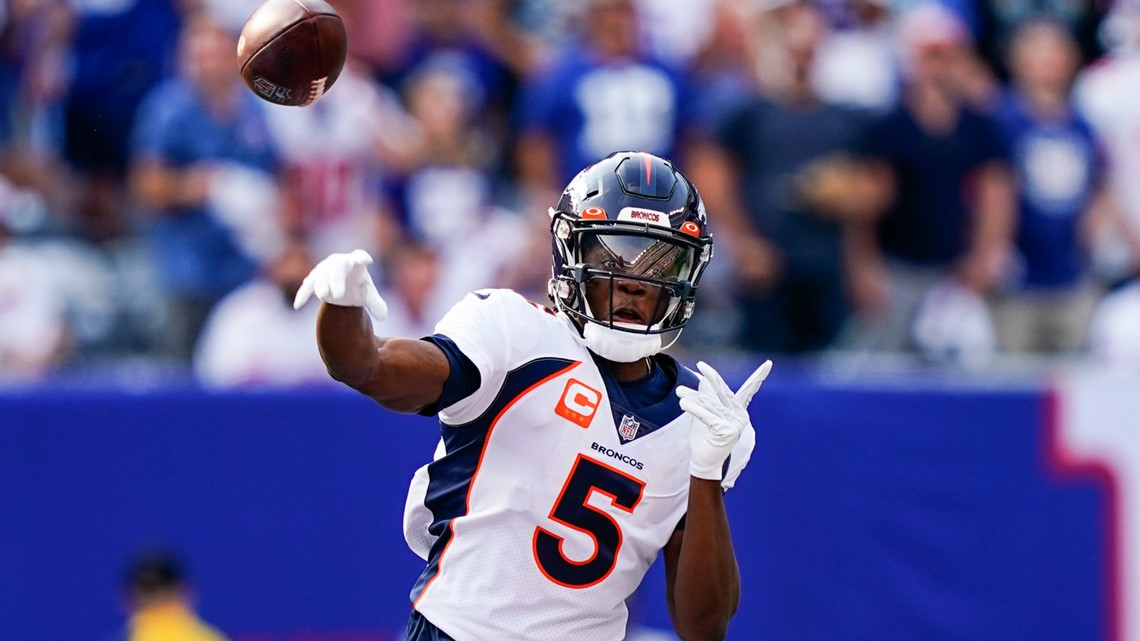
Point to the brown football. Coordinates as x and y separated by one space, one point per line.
291 51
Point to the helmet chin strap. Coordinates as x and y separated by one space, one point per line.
619 346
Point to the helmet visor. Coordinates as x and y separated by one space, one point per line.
641 257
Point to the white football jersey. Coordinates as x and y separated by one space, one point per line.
548 499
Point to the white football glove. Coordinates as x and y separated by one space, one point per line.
721 422
343 279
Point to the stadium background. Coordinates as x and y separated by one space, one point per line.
945 492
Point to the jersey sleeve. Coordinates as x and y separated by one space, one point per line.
463 379
476 335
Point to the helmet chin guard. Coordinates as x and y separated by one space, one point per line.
621 346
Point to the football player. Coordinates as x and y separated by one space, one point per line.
573 450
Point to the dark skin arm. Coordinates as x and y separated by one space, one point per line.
401 374
702 583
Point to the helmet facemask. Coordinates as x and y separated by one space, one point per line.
641 278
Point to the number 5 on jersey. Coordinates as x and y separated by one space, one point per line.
573 510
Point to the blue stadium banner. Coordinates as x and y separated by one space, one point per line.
867 513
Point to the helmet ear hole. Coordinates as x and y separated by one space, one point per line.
561 290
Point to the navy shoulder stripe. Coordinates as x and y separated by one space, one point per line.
462 381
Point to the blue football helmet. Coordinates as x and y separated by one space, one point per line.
629 218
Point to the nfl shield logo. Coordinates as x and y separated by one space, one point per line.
628 427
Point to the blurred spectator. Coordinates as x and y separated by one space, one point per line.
676 30
336 153
1105 94
378 30
605 93
119 51
420 284
1057 164
781 180
33 75
477 41
201 157
159 599
230 14
34 332
998 21
63 285
723 79
952 213
254 337
10 71
446 190
445 198
723 71
857 63
479 38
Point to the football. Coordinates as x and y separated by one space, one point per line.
290 52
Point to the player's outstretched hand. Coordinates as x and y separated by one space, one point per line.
342 279
722 422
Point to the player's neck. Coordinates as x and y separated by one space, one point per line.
629 372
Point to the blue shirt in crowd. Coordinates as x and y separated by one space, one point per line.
771 144
931 219
591 107
1058 169
196 254
486 77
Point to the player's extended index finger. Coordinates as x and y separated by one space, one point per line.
376 304
750 386
304 292
723 391
360 257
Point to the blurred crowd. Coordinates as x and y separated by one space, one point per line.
953 183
